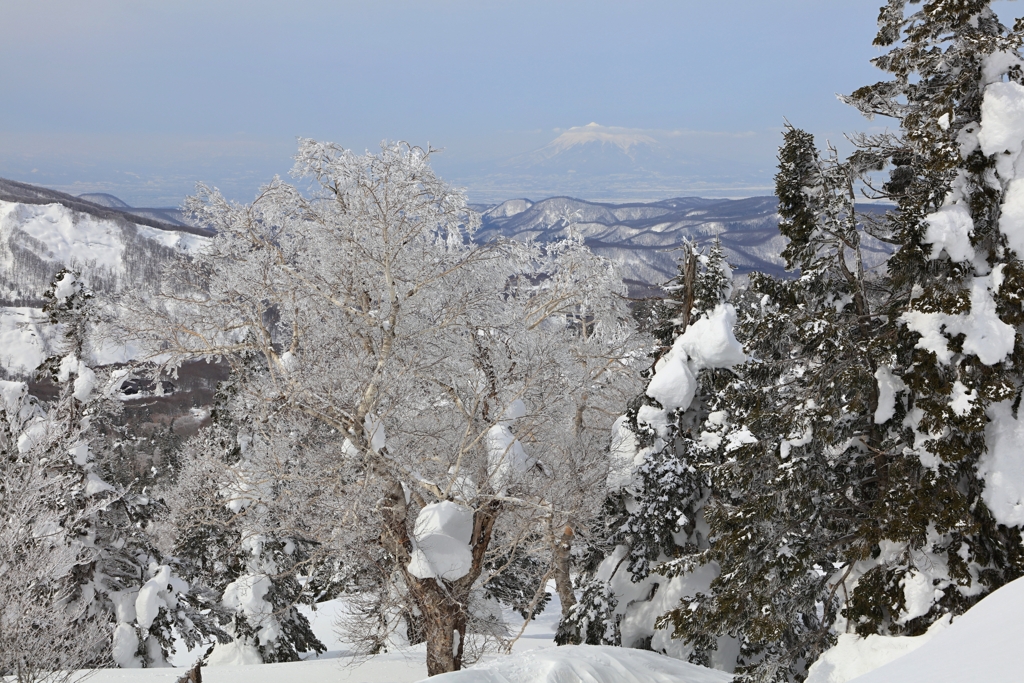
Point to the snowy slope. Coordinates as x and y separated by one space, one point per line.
38 239
534 659
586 664
982 646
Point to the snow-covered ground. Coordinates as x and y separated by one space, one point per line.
586 664
982 646
336 665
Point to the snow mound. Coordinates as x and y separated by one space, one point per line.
710 342
585 664
1002 465
854 656
707 343
986 335
982 645
441 540
949 229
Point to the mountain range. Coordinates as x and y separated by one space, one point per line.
116 245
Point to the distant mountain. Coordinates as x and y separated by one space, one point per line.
99 205
596 149
104 199
612 163
644 238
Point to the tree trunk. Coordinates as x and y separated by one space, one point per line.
560 558
444 605
444 623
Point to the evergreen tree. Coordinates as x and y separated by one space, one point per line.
657 515
259 565
854 489
123 580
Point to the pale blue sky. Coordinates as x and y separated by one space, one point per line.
142 98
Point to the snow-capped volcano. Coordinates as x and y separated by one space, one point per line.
594 148
626 139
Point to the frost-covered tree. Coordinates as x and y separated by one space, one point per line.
413 390
44 634
118 581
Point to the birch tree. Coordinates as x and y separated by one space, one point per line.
422 381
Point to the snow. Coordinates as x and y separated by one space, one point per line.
515 410
786 445
673 384
239 652
949 229
65 286
986 335
1002 125
585 664
59 236
95 485
1002 134
408 664
149 602
373 428
25 339
441 538
710 342
919 594
888 386
854 656
1001 466
11 393
174 239
623 455
126 643
247 596
982 645
962 400
994 65
1011 219
506 456
85 382
69 237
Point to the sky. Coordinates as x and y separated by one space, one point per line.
142 99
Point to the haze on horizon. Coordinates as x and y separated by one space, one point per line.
142 99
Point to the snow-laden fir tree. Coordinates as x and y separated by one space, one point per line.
952 516
224 528
658 482
866 489
795 476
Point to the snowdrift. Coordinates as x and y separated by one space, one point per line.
585 664
982 646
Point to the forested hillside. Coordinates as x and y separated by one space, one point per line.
440 419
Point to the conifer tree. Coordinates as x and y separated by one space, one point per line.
258 565
855 488
955 310
121 580
655 510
